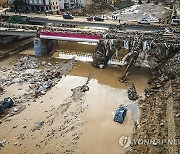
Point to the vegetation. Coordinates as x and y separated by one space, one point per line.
123 3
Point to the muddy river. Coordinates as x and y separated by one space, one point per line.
54 123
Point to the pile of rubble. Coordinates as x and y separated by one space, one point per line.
39 80
132 93
159 112
145 49
106 48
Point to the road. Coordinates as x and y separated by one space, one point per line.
82 21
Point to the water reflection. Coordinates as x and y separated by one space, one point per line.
134 111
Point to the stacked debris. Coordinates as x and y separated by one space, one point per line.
159 123
106 48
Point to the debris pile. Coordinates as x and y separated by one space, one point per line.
106 48
69 122
132 94
145 50
39 80
159 111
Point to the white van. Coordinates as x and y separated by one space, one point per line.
175 22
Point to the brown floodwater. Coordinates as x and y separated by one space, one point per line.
96 131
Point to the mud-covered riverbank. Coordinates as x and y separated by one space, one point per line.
52 121
158 129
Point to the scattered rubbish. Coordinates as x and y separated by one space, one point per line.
38 125
16 143
2 143
15 109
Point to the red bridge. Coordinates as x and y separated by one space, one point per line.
70 36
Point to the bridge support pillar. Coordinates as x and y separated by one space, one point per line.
43 46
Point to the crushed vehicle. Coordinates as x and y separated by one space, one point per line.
120 114
6 103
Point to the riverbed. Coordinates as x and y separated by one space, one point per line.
86 126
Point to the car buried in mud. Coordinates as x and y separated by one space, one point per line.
6 103
120 114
